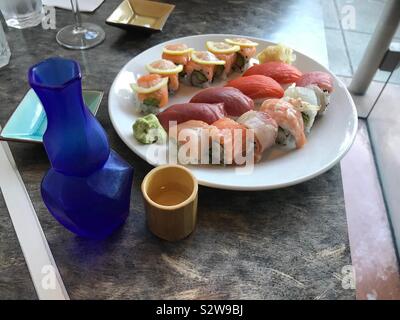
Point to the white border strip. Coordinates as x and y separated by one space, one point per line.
39 259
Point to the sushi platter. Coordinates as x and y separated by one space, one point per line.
301 117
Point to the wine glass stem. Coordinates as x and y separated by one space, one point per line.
77 14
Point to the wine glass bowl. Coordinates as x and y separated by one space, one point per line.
80 35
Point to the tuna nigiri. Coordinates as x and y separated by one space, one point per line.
235 102
233 140
289 119
183 112
257 87
265 131
152 93
321 79
279 71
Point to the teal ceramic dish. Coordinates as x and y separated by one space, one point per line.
28 122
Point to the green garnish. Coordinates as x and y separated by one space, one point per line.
198 78
306 117
151 102
218 71
149 130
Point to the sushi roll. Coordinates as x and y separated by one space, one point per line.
201 68
306 101
247 51
151 92
166 68
321 83
265 131
289 120
197 138
232 149
226 52
178 53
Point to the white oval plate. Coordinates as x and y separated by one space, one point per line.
330 138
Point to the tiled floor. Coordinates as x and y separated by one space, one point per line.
345 50
348 38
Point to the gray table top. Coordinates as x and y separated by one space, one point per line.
289 243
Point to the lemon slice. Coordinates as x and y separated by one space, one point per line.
206 58
221 47
178 50
242 42
164 67
163 82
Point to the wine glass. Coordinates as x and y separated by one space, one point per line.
80 35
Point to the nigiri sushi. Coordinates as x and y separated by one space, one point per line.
279 71
257 87
306 101
321 79
265 131
247 51
166 68
200 70
178 53
289 120
183 112
235 102
152 93
233 140
226 52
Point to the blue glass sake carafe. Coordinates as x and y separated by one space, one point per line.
88 186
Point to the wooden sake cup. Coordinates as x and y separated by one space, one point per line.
176 221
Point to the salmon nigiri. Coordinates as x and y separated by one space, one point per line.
289 119
257 87
279 71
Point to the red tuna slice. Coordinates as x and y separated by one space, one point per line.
318 78
183 112
279 71
235 102
257 87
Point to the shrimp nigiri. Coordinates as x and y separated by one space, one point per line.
288 118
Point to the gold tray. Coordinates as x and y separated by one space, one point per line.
140 14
